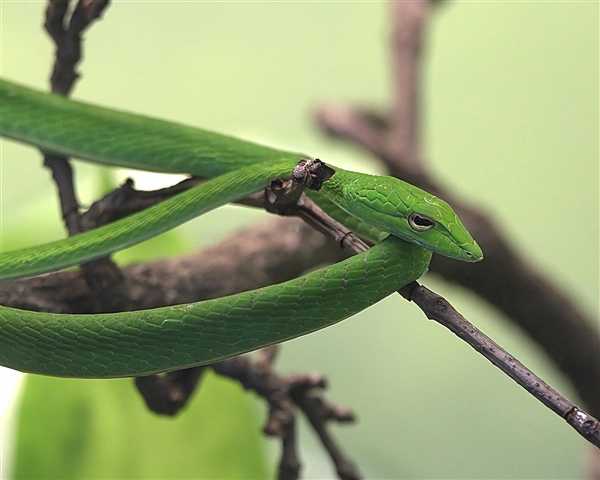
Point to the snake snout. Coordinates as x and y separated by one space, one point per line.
472 252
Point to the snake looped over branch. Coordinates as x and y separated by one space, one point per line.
406 223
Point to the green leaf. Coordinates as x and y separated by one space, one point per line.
80 429
72 429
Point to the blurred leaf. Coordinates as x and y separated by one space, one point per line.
72 429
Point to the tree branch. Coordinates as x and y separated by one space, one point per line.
103 275
284 395
408 35
505 279
434 306
67 37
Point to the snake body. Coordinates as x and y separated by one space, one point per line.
409 224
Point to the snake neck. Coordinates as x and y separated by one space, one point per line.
334 189
333 197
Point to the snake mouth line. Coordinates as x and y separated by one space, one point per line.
472 253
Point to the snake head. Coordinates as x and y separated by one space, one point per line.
410 213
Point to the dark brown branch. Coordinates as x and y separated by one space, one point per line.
316 411
126 200
437 308
103 275
289 464
505 279
61 82
408 35
168 394
248 259
284 395
67 37
62 174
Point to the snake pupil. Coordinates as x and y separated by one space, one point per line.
420 223
423 222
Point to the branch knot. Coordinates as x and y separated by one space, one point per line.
312 173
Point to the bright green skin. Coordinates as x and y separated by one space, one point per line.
143 342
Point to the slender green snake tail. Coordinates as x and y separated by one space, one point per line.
110 137
143 225
121 139
143 342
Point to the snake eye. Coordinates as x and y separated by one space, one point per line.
419 223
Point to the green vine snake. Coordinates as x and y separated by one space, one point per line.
408 224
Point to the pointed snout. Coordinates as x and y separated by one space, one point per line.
471 252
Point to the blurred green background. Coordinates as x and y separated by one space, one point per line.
511 122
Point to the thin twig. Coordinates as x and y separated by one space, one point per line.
284 395
440 310
289 463
316 411
437 308
505 279
66 35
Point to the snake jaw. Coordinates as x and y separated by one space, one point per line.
472 252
